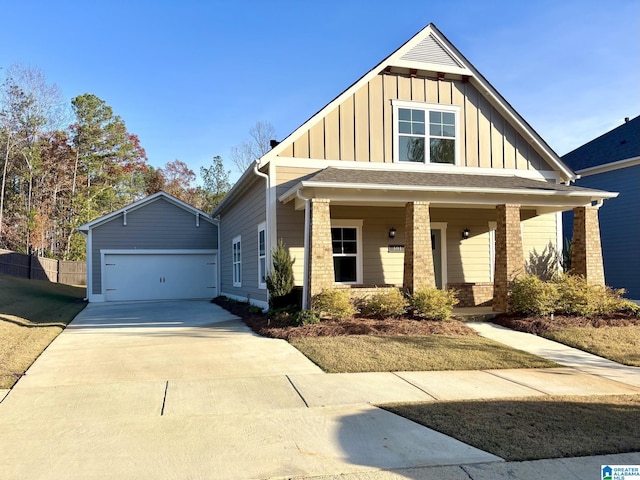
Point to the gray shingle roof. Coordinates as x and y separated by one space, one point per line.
428 179
619 144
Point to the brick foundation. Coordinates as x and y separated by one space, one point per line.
418 258
586 253
473 294
357 291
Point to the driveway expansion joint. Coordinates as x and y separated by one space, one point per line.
432 395
164 398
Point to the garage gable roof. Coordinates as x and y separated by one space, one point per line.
143 202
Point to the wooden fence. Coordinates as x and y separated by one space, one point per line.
40 268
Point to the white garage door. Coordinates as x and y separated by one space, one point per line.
161 276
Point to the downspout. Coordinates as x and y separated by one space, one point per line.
267 234
307 221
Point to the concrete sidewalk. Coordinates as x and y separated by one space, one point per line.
185 390
559 353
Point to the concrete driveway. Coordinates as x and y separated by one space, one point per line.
185 390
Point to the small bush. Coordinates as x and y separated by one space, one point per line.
282 315
334 304
306 317
577 297
389 303
432 303
255 309
531 296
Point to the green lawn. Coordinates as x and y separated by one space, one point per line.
367 353
32 314
538 427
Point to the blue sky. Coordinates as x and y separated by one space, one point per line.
191 77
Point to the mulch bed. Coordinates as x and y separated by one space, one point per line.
280 328
540 325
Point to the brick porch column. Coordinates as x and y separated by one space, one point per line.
418 257
509 257
586 253
321 275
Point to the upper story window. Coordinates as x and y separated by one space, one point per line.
426 133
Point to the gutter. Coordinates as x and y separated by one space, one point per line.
267 233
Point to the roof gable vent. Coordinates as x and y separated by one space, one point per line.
430 51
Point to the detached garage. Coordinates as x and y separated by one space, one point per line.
158 248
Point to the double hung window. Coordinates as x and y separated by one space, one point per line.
237 262
262 257
425 133
347 250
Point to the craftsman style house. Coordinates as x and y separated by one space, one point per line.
420 173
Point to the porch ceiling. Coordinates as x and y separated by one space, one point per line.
378 187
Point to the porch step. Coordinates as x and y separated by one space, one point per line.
474 314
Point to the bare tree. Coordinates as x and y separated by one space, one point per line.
30 109
247 152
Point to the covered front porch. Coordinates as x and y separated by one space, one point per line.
436 230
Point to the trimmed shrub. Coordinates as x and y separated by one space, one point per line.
384 304
432 303
577 297
306 317
334 304
531 296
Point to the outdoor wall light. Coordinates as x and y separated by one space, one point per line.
392 232
465 233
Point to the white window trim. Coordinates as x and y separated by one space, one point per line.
426 107
262 228
237 282
357 224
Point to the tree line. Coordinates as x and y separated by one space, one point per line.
64 165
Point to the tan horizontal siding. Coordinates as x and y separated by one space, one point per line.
537 233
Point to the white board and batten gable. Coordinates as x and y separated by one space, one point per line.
158 248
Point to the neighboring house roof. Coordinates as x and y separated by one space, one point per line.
621 143
437 182
430 50
141 203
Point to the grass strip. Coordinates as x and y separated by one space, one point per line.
620 344
366 353
32 314
537 427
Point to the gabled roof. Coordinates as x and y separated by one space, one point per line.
621 143
430 50
143 202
